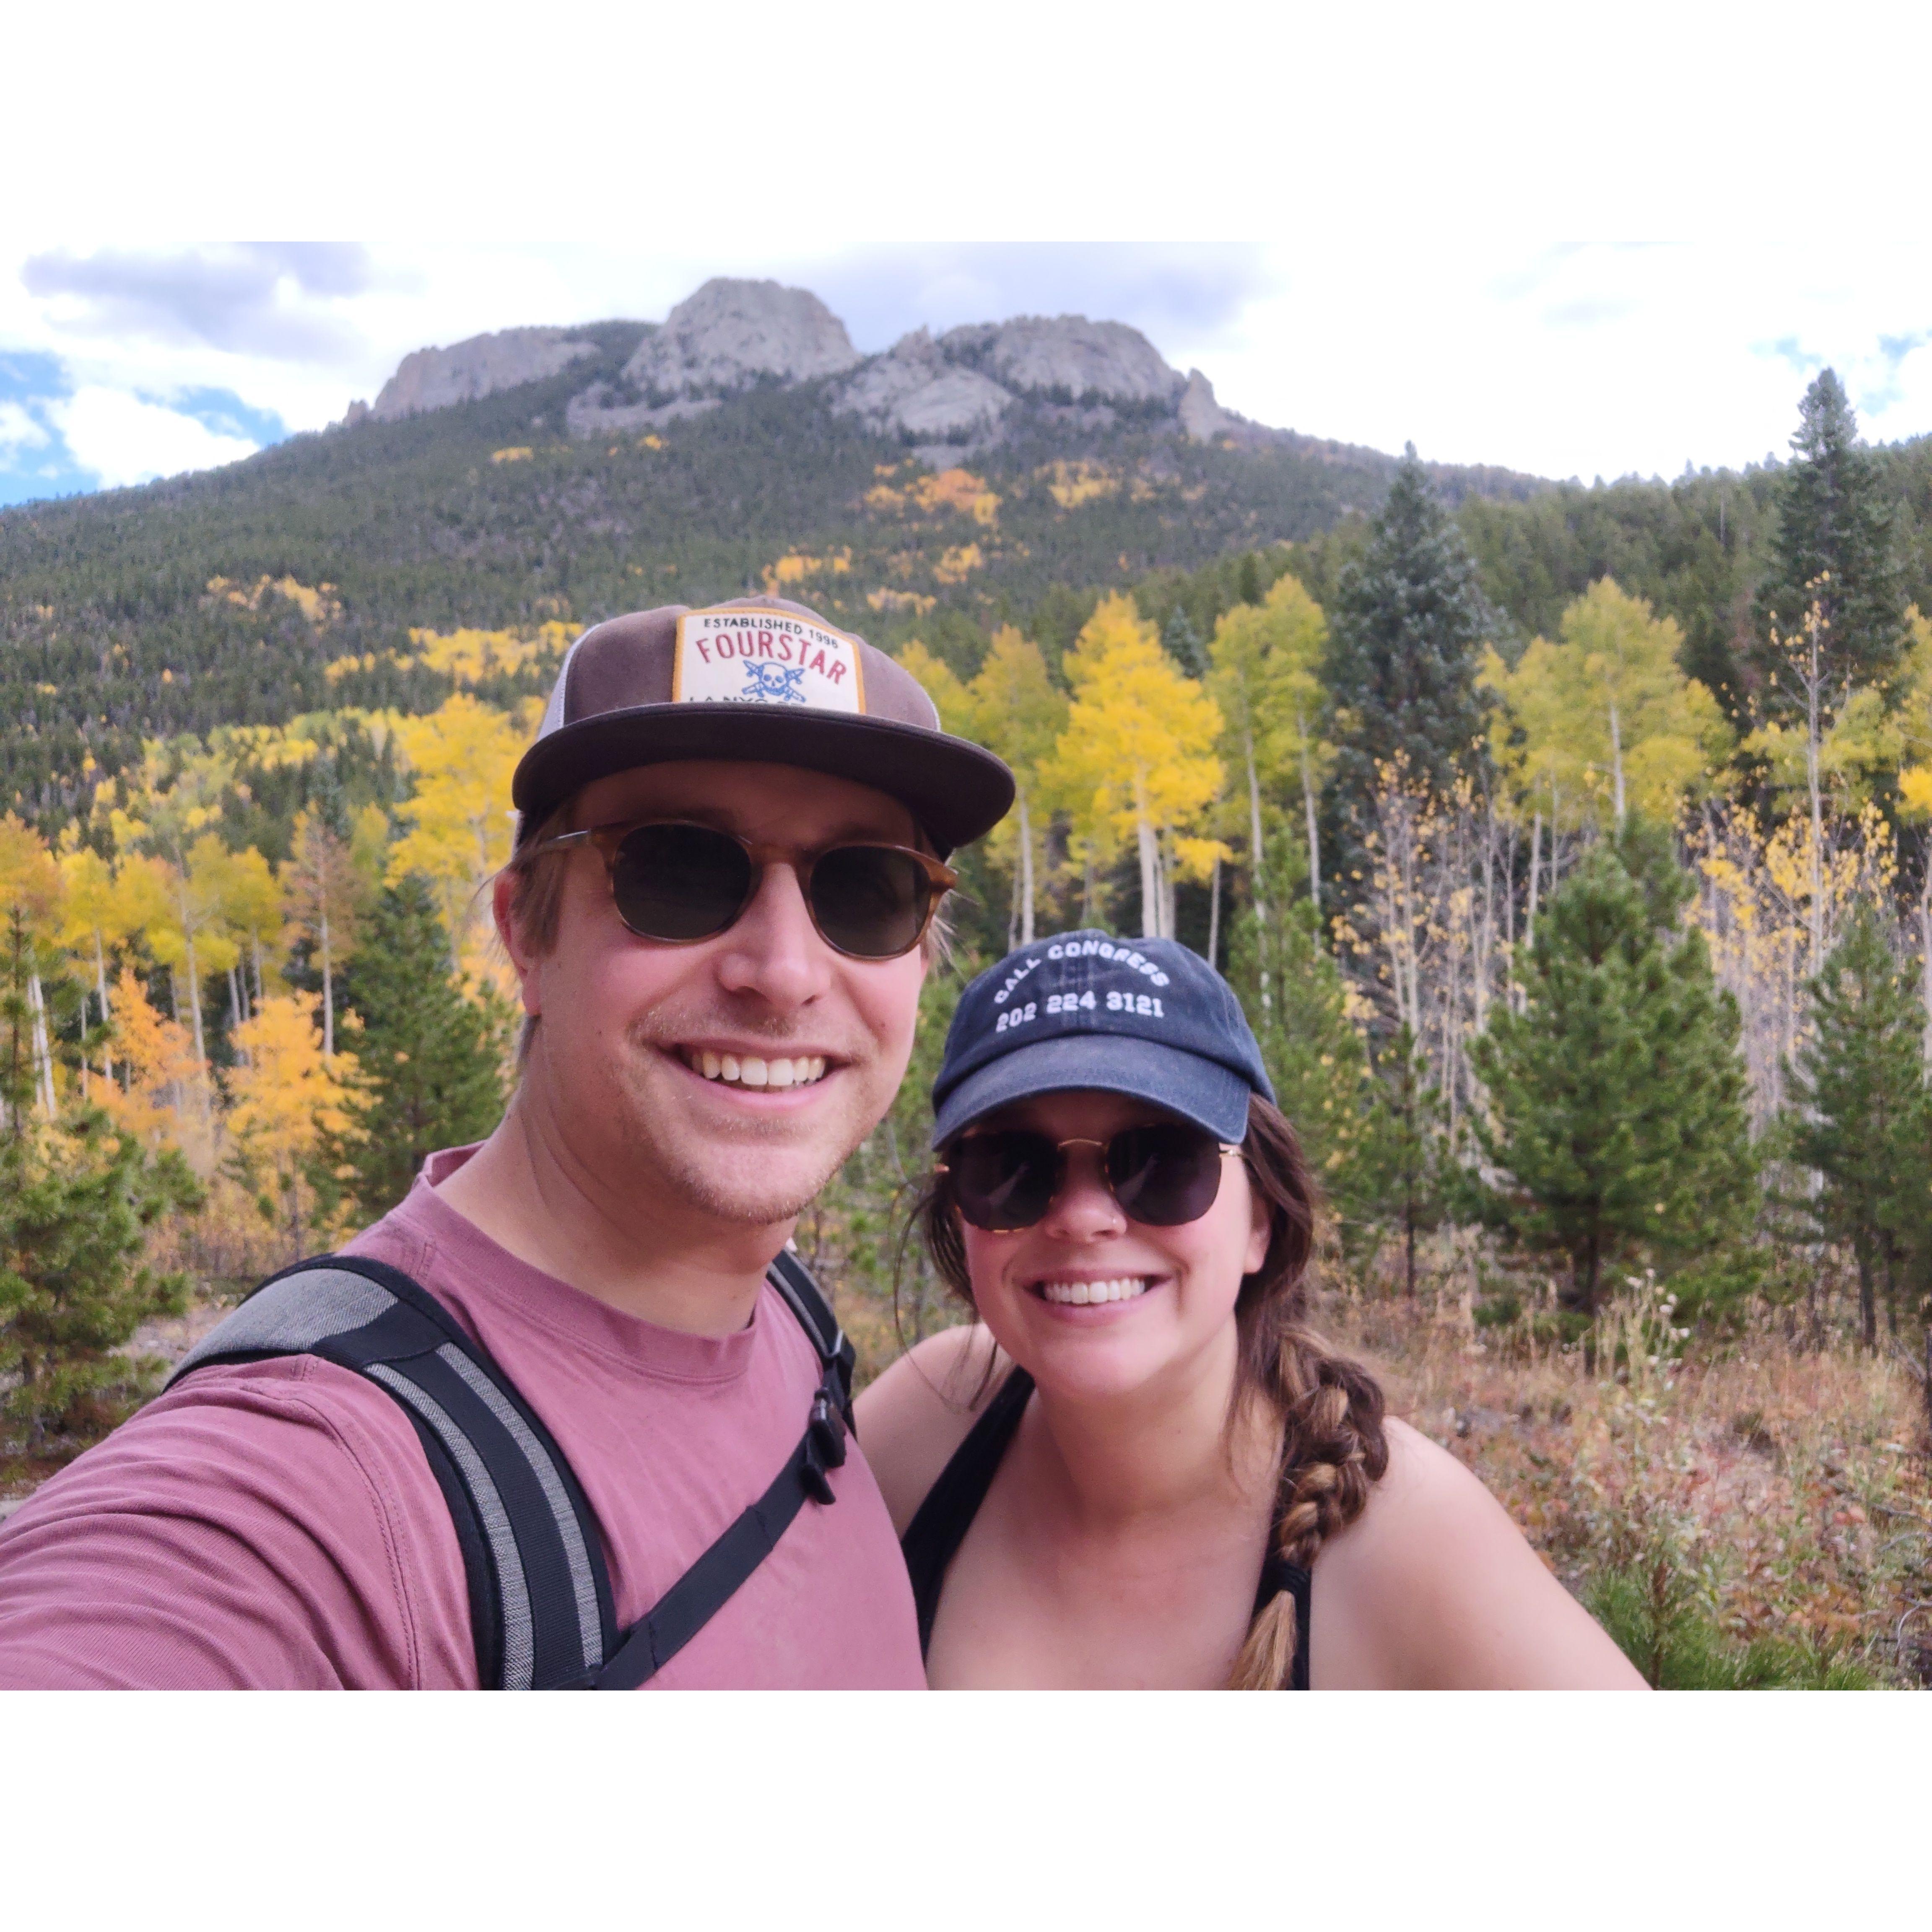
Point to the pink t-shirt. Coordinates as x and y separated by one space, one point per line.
276 1524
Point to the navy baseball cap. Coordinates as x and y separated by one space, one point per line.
1142 1017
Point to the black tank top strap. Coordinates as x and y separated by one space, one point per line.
933 1538
1278 1574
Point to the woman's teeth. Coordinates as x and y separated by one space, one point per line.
747 1070
1080 1293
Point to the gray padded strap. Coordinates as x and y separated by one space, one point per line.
583 1582
289 1317
519 1644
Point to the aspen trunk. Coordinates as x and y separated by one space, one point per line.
1811 773
194 1004
1026 872
44 1058
328 994
1256 878
1307 805
1617 762
1149 843
1214 914
100 992
1535 875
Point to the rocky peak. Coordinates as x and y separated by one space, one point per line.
730 333
1066 355
432 379
914 390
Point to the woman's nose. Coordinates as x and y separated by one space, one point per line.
1085 1209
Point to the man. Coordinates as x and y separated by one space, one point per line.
728 860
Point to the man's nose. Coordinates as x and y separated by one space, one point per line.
774 952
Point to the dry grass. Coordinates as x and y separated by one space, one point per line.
1751 1492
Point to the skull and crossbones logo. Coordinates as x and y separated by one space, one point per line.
775 683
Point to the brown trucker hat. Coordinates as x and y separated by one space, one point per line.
761 680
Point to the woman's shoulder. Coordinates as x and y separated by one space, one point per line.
1433 1585
919 1411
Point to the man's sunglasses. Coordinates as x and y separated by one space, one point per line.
679 883
1162 1175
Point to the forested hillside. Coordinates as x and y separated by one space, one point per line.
489 514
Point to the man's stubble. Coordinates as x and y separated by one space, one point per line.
728 1180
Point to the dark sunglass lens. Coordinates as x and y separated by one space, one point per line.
1164 1174
870 901
679 881
1004 1181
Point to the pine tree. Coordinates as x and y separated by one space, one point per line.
1403 1173
1182 642
1835 540
1616 1097
1312 1052
1404 641
429 1060
76 1201
1857 1111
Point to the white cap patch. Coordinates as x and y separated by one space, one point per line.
747 656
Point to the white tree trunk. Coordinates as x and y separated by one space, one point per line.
1617 761
1256 878
1308 807
328 994
1150 858
1214 915
106 1018
44 1058
1535 874
1026 872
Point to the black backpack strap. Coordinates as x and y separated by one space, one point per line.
540 1597
704 1589
539 1592
806 1300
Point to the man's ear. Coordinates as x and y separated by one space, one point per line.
503 893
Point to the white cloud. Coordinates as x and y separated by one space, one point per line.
124 440
19 430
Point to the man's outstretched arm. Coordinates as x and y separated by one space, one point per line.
274 1525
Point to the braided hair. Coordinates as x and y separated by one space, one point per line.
1329 1409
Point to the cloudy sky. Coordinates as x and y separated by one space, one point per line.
1585 247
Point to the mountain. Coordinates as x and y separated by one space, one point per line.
949 484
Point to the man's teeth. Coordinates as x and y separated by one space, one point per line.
747 1070
1080 1293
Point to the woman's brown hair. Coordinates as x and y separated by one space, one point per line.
1329 1409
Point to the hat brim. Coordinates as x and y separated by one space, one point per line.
1211 1096
957 791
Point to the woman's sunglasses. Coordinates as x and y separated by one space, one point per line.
1162 1175
679 883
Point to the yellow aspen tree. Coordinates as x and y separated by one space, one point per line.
1020 713
31 893
1013 708
1137 755
325 896
91 928
1266 661
173 801
458 823
251 902
1600 721
285 1099
156 1057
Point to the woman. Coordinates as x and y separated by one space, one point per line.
1140 1469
